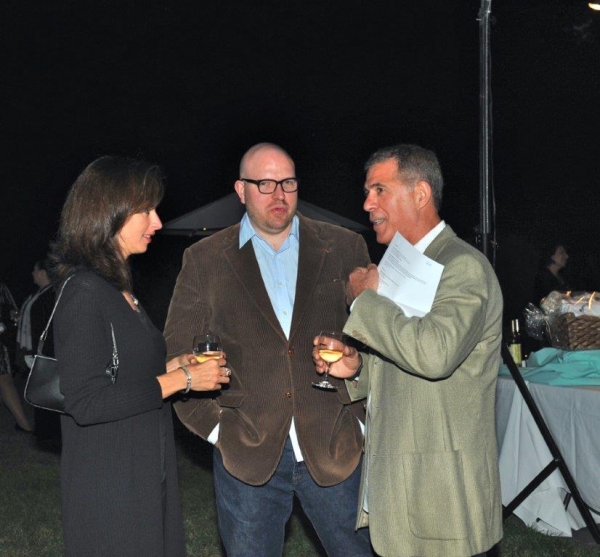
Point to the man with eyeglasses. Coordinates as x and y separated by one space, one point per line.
267 286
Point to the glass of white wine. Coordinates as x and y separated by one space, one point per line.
331 350
207 346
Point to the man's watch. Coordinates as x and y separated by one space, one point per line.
357 373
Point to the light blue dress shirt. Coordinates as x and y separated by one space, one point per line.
279 271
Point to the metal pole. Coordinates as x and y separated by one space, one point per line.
484 127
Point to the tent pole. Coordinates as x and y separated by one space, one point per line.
484 127
558 461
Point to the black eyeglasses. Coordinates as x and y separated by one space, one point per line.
288 185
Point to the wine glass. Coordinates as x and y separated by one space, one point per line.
331 350
207 346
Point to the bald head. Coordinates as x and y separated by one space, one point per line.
270 214
260 152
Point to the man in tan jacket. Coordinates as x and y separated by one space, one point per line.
430 485
267 286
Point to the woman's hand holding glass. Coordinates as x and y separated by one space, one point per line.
344 368
210 375
207 346
207 349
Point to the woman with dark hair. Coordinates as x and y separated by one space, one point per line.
550 276
119 482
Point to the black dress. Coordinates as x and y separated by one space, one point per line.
119 484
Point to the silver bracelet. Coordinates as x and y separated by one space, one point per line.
189 379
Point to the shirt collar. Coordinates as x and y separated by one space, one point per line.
247 231
426 240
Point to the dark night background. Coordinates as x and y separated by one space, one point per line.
191 85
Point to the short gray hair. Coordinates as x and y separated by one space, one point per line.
414 163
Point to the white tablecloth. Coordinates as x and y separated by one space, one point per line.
573 417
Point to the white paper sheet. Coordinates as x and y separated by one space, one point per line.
408 277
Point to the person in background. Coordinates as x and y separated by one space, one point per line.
8 392
119 486
28 335
34 316
551 275
431 483
267 285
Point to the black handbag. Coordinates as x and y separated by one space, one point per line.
42 389
43 384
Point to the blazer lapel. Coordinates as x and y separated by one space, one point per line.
245 268
311 258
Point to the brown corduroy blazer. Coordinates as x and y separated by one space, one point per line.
220 289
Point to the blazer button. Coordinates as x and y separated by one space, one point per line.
291 351
288 394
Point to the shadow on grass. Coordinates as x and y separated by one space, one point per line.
307 529
51 445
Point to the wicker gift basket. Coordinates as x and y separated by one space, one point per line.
571 332
570 321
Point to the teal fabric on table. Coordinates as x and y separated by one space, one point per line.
561 367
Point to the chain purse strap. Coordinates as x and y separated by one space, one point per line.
113 367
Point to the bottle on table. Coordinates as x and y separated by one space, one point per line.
514 342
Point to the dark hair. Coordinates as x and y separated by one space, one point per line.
42 264
414 163
104 195
45 264
549 251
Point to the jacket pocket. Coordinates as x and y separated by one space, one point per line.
230 399
235 426
435 493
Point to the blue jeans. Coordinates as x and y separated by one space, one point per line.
252 519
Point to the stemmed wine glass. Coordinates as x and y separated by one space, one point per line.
331 350
207 346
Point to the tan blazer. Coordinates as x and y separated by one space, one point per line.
433 482
220 289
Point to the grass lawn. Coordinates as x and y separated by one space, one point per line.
30 516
